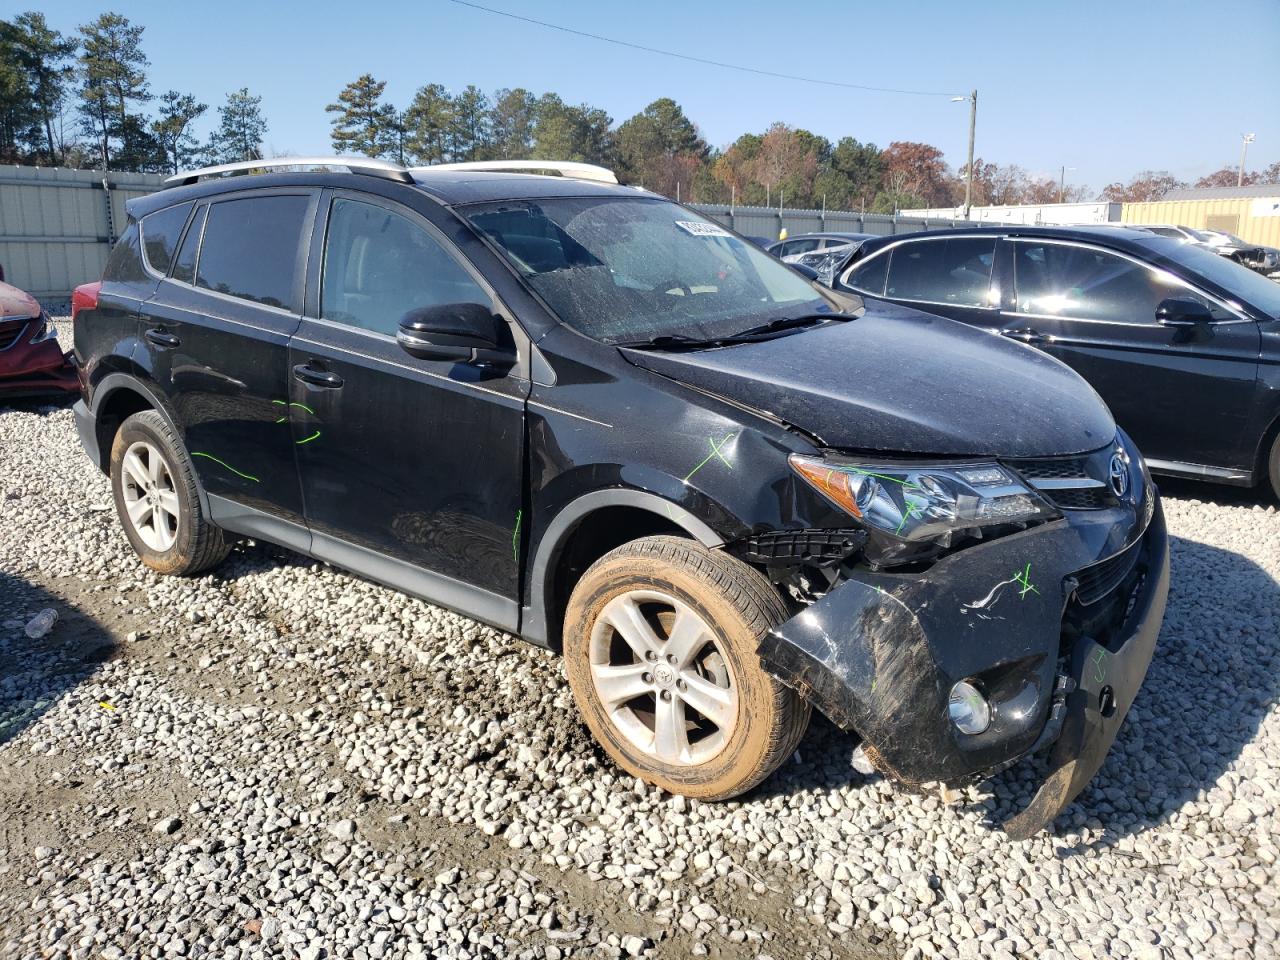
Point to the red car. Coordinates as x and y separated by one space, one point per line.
31 362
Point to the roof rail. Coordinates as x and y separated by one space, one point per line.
565 168
365 165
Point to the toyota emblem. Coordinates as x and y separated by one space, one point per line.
1119 474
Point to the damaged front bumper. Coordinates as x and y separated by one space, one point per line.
1056 625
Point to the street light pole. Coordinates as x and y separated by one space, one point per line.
1062 183
973 124
1245 140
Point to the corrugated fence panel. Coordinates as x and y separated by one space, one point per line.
55 229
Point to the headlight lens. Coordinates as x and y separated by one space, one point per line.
924 502
969 709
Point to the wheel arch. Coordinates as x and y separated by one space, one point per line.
571 544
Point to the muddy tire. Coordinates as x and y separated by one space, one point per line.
660 645
154 488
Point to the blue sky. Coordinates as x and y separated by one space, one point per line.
1109 88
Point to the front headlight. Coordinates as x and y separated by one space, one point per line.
924 503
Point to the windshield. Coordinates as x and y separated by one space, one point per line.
1239 281
623 269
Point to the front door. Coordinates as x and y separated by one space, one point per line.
1184 395
216 336
411 469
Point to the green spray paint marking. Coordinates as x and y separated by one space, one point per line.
515 538
280 403
1024 579
915 509
908 484
1099 660
209 456
309 439
715 452
304 407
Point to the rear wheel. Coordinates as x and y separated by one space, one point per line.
660 648
1274 466
154 487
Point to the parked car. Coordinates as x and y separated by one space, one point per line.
586 415
793 248
1252 255
31 362
1183 345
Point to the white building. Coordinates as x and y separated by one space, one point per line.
1031 214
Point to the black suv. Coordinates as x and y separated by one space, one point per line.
1182 344
584 414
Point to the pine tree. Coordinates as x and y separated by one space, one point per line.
112 80
511 123
470 132
428 125
173 127
44 57
240 130
362 123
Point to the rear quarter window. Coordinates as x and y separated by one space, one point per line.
250 248
160 233
124 264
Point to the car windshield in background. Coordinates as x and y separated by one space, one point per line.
1251 287
630 270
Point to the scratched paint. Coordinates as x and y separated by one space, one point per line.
515 537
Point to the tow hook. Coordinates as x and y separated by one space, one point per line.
1062 687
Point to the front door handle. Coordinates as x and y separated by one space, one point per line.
1025 335
162 338
317 378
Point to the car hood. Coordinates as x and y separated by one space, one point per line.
17 304
904 382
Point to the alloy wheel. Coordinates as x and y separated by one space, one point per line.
150 496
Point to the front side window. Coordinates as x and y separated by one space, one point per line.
250 248
1086 283
870 275
951 271
622 269
379 265
160 233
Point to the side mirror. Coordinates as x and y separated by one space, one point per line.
1182 312
461 332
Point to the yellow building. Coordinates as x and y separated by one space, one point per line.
1251 213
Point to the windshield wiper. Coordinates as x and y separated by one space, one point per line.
782 323
672 341
765 331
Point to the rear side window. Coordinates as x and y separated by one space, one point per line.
185 267
125 261
160 233
379 265
953 271
869 276
250 249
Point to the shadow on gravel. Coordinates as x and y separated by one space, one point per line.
35 674
1213 679
1218 493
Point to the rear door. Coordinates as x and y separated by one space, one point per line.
216 337
1184 394
412 470
951 276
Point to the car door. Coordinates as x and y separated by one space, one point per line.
412 470
216 335
952 276
1183 393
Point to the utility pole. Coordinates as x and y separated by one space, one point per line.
1245 140
973 125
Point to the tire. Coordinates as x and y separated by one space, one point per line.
151 474
710 722
1273 464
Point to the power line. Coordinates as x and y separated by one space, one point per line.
702 60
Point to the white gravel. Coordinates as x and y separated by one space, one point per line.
282 760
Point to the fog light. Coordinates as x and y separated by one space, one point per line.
968 708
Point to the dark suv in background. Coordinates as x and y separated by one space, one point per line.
1182 344
589 416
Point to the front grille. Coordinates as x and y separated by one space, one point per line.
11 333
1095 582
1071 483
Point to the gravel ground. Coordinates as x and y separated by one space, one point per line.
283 760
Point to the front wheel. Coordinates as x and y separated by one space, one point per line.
1273 463
660 649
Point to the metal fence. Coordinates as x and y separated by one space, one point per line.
768 222
57 225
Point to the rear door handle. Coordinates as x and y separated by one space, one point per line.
317 378
161 338
1025 334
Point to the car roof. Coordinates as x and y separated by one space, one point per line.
449 187
1114 235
